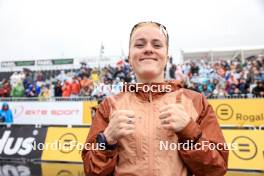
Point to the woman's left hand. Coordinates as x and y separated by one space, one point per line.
174 117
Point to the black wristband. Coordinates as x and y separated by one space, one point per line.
101 139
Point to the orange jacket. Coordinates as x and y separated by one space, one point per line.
86 83
66 89
75 88
140 153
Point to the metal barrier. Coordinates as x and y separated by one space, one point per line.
235 96
91 98
48 99
8 125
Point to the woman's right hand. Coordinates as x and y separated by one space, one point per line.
121 123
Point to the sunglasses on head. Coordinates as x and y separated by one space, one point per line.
162 27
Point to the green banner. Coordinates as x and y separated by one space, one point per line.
25 63
62 61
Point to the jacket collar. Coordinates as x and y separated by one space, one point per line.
150 91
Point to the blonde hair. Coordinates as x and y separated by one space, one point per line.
160 26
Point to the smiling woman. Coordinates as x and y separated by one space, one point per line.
132 123
148 51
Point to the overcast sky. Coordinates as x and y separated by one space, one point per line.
32 29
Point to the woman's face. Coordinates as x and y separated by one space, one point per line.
148 53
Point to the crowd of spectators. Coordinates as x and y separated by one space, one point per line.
84 82
222 78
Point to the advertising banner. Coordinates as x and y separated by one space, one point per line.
62 169
249 151
245 173
89 108
64 144
239 112
55 113
17 141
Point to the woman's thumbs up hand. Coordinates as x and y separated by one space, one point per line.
122 123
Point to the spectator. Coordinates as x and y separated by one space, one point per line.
172 71
62 77
39 76
45 93
220 92
258 91
116 86
179 74
14 79
194 87
32 91
5 88
119 73
18 90
205 91
243 86
75 87
27 78
86 82
66 89
186 68
85 92
95 76
126 69
6 114
58 89
194 69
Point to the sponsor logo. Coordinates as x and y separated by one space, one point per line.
11 145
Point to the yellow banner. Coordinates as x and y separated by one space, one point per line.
248 150
60 169
88 110
64 144
232 173
239 112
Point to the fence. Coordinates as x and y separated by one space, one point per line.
91 98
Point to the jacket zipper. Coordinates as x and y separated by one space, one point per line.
151 132
150 97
